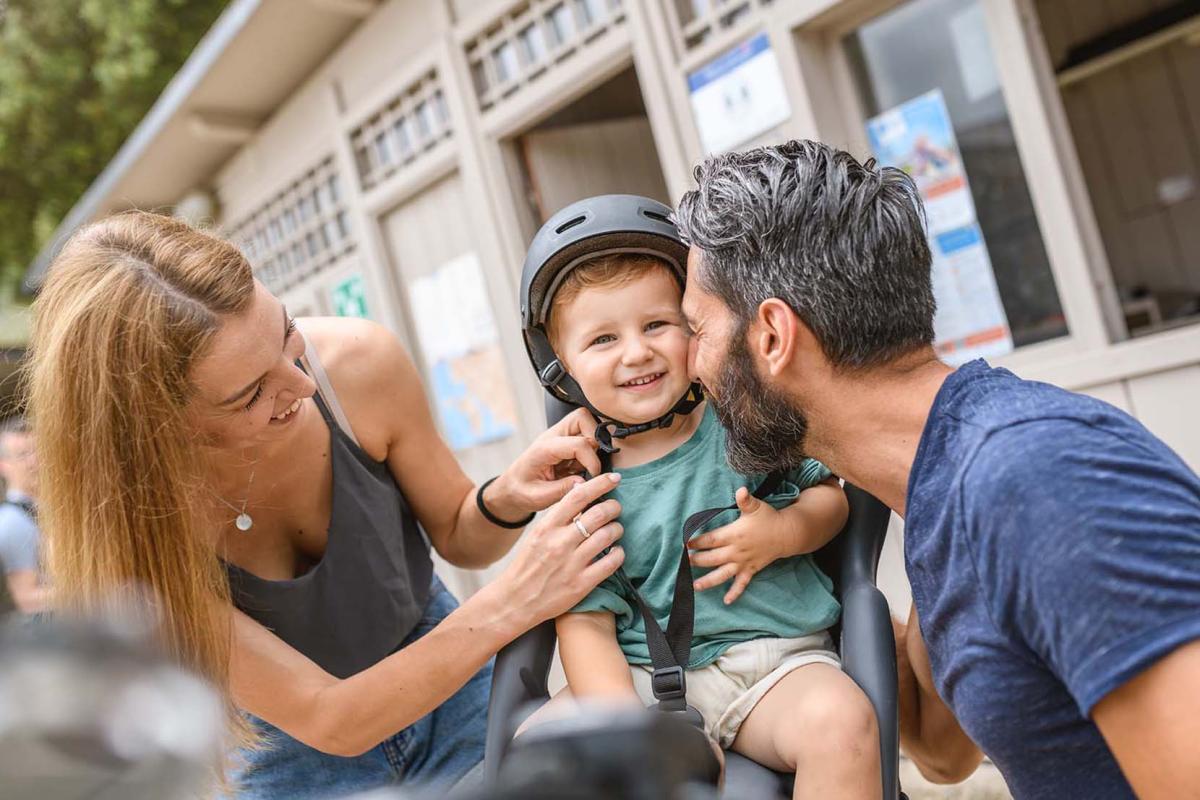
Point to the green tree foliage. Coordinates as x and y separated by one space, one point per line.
76 77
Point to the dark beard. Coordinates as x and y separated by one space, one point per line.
764 432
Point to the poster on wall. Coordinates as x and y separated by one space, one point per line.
349 297
918 137
738 95
459 340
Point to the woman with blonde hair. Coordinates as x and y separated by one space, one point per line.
262 481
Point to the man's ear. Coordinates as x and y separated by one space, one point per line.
781 338
778 336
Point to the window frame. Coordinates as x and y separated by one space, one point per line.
827 106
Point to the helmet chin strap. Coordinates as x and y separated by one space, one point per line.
555 378
610 429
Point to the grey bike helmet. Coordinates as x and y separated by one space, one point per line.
597 226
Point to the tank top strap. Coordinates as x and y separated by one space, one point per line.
326 399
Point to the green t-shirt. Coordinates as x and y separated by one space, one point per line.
789 598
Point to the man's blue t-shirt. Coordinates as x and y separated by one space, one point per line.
1053 545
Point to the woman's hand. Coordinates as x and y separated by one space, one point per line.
548 468
555 565
742 548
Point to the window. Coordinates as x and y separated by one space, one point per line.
479 77
383 152
440 109
561 23
531 39
300 232
412 121
943 45
504 58
532 43
1129 78
425 122
403 137
590 10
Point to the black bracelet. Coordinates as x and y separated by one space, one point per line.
492 518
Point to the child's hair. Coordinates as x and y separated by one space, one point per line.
602 272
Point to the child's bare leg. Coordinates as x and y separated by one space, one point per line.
819 724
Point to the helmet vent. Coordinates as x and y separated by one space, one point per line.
571 223
655 216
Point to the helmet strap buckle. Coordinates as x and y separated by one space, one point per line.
604 438
552 374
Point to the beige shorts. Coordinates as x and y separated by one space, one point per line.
727 690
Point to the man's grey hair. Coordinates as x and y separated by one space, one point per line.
841 242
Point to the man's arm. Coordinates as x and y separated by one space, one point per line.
1152 725
27 592
929 732
1101 566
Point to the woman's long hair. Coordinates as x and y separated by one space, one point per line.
128 307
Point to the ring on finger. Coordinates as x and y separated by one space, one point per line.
579 526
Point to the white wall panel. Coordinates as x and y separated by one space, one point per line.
423 234
1167 403
1114 394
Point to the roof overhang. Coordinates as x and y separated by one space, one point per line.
255 56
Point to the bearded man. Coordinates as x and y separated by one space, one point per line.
1052 542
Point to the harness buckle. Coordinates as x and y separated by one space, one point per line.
668 683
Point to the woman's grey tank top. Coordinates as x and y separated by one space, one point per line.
369 590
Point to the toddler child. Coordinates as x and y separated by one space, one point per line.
763 672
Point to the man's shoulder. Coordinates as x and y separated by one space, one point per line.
994 438
1000 418
991 399
1059 462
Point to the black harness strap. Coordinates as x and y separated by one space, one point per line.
671 651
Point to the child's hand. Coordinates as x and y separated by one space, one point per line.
740 549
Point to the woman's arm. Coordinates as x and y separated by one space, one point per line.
347 717
384 398
594 664
551 572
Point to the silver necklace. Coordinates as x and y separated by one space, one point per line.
243 522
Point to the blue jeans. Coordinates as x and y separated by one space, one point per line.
436 750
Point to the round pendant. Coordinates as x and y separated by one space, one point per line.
243 522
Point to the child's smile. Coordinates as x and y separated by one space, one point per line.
644 383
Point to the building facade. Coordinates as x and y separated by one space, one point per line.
393 158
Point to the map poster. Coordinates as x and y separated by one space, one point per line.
461 346
917 136
738 95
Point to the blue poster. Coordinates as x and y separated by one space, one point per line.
918 137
